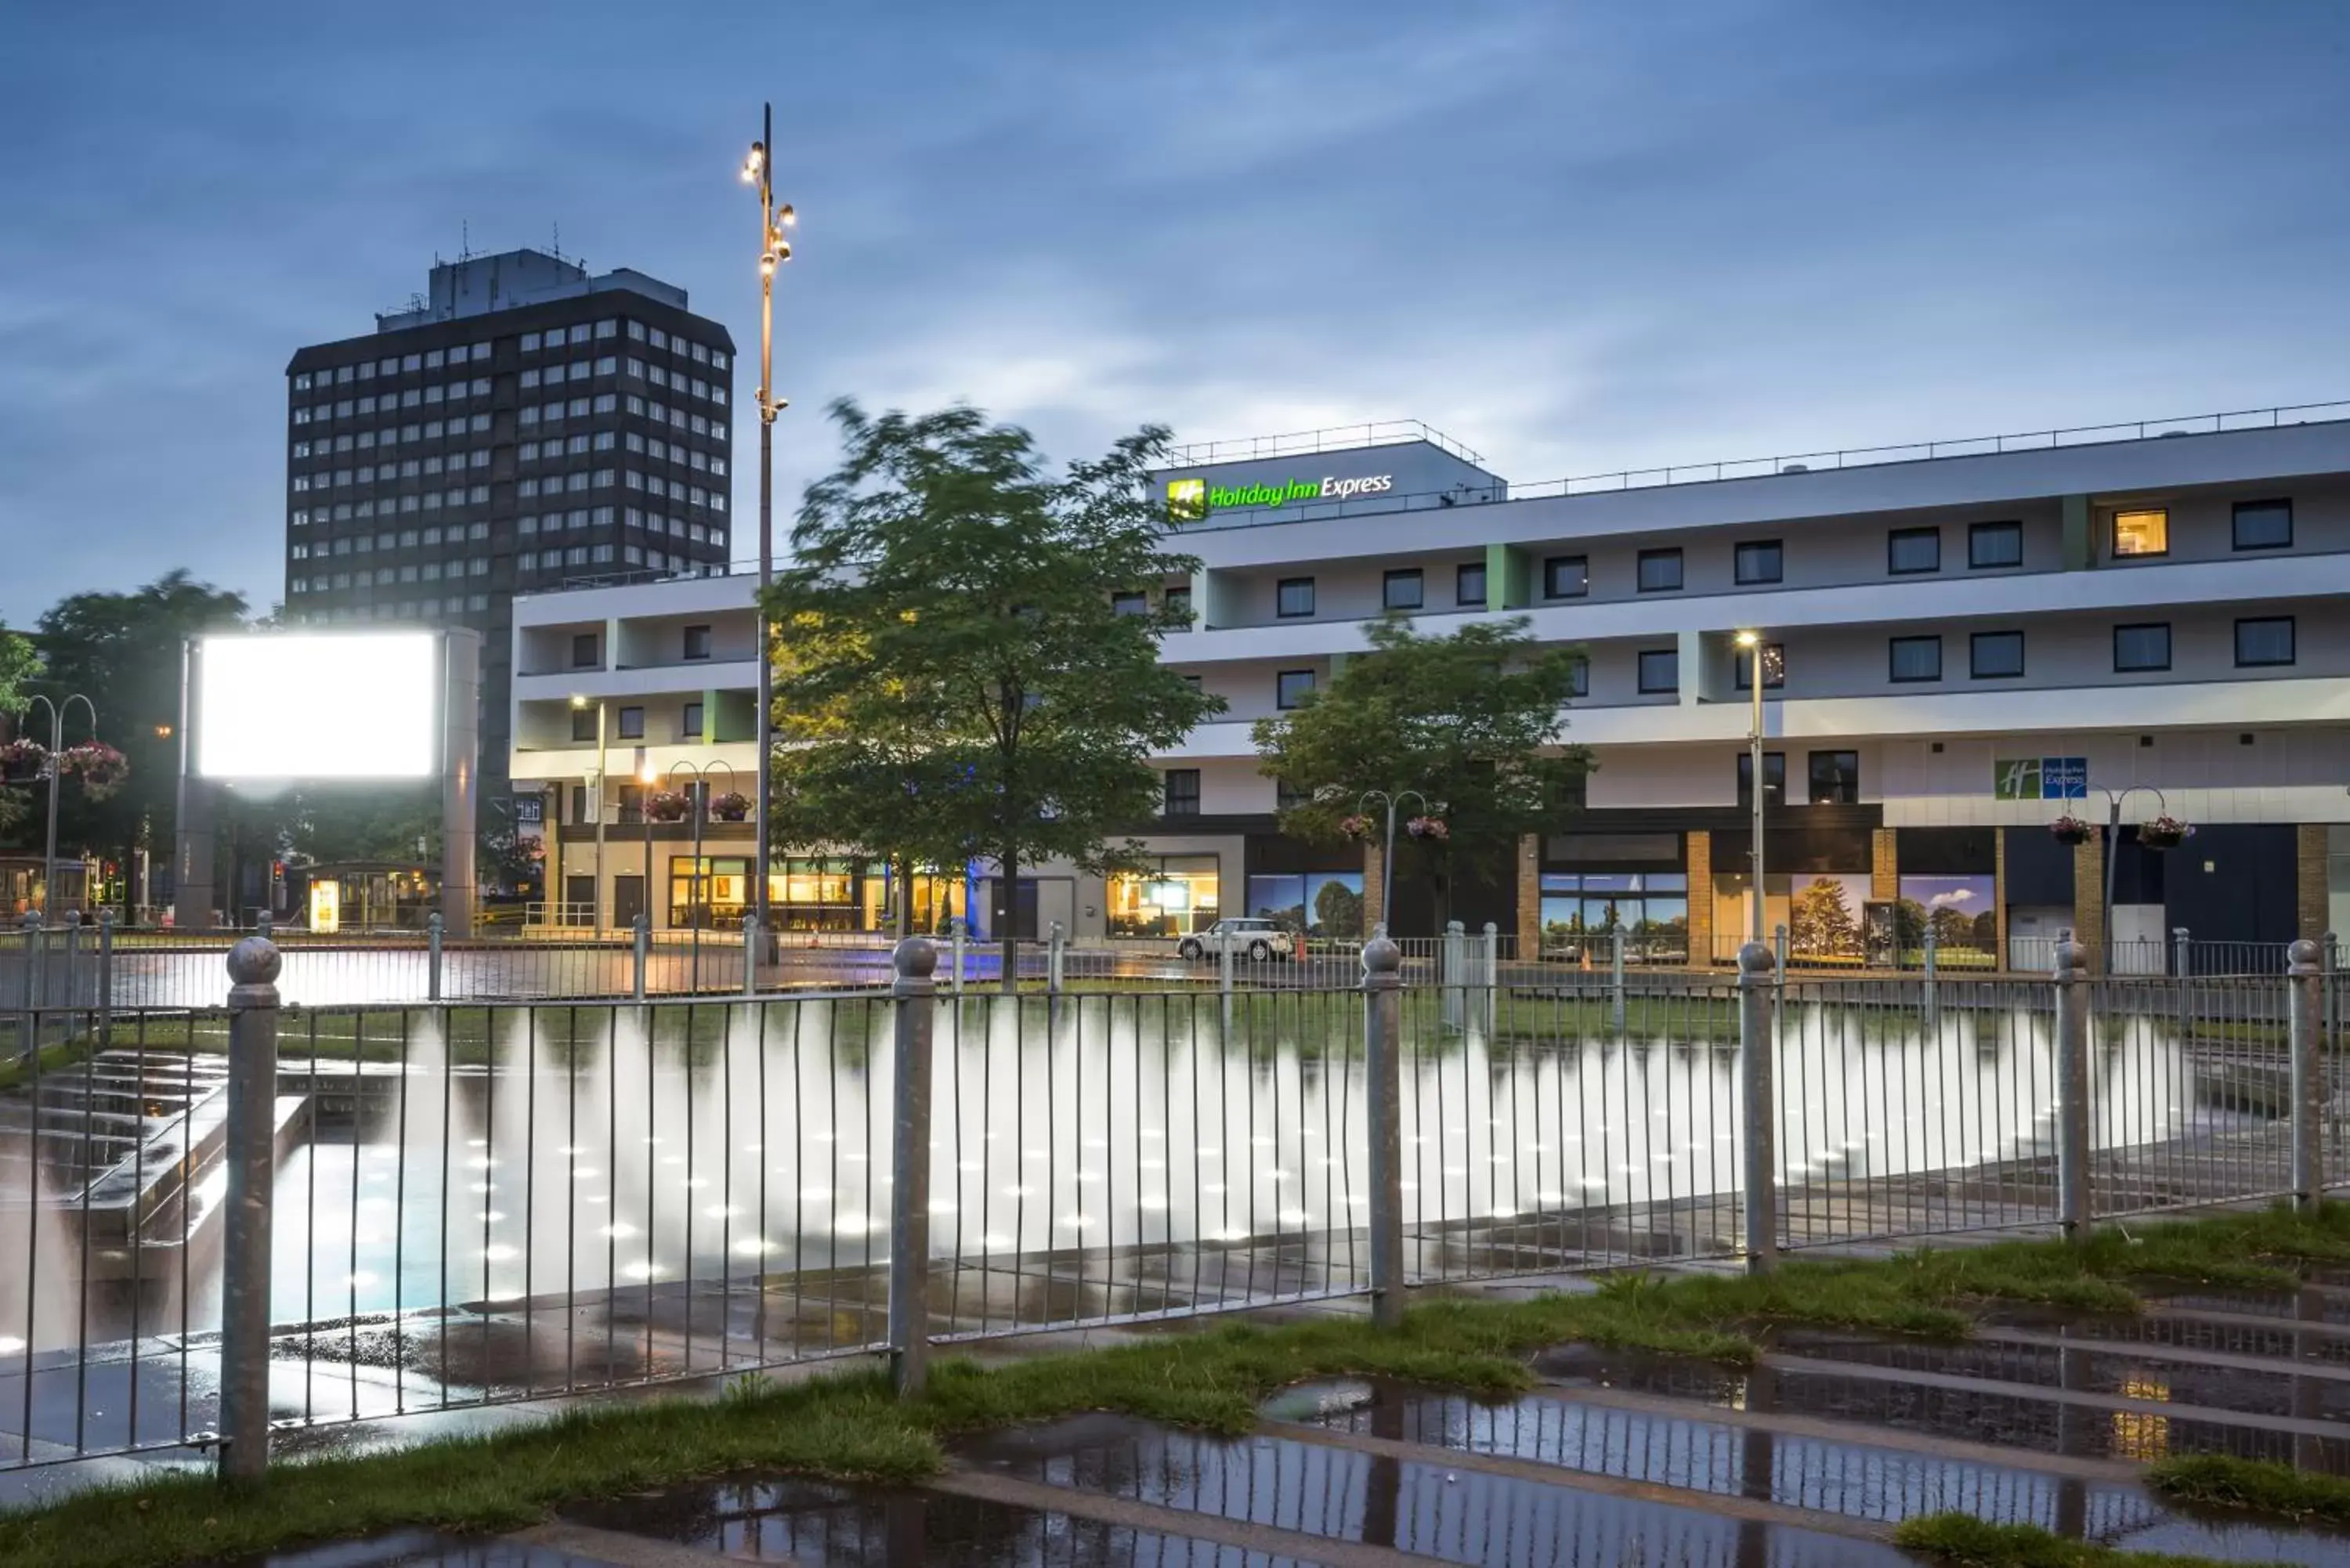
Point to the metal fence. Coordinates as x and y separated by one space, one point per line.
218 1221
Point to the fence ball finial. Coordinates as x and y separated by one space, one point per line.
2302 957
1381 955
915 957
2072 958
256 960
1754 959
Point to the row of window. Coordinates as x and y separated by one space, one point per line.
2260 641
428 572
385 474
586 646
628 724
429 501
407 609
537 522
610 365
607 402
555 338
556 447
406 539
393 365
1835 778
433 396
393 435
2254 525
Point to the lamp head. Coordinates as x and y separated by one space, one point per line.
1748 638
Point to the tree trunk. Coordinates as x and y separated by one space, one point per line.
901 872
1007 910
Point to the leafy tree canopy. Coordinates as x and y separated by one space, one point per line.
1475 720
954 675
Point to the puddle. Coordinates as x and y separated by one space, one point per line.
811 1523
1885 1485
1456 1515
2020 1421
2283 1342
416 1550
2317 1304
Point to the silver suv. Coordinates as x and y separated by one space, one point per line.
1250 938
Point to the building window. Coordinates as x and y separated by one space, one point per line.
1177 893
1996 655
2264 525
1567 577
583 651
689 723
1579 678
1401 590
2144 647
697 642
1760 561
1129 604
1993 545
1660 671
1292 687
1915 659
1911 550
2265 640
1294 596
1182 792
631 725
1468 585
2142 532
1835 778
1775 779
1660 571
1774 666
583 725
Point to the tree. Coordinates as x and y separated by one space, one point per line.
122 651
954 673
1476 720
20 662
1820 923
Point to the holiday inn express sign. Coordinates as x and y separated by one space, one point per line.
1192 499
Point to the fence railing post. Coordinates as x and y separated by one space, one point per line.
105 979
1056 955
913 991
1930 999
1225 979
2305 1013
1615 1009
252 1151
750 952
643 952
1757 990
1452 976
1780 951
2072 980
30 989
1383 1064
2332 959
957 927
73 963
2181 954
432 929
1489 978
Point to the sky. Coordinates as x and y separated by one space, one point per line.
1577 237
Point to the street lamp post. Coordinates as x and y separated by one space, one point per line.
645 779
595 805
701 809
2113 804
57 711
1752 642
1390 799
775 248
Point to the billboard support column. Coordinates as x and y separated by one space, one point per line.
191 817
461 762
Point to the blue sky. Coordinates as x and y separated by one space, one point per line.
1577 237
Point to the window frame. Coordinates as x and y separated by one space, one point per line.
1130 601
707 641
1893 540
1742 668
2161 625
1744 771
1641 671
2292 636
622 720
1977 531
2273 503
1550 565
1893 675
1397 575
1168 797
2114 532
1281 694
583 726
1811 777
1460 586
692 723
1738 556
1974 656
1280 592
593 645
1660 554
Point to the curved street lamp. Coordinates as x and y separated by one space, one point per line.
57 711
2114 802
1390 799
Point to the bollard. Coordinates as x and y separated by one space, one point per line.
73 966
750 952
914 994
1930 999
2072 980
1056 959
105 979
644 952
1757 989
2304 1012
252 1137
956 928
261 925
1489 977
1383 1065
2179 952
432 958
1615 1009
1452 976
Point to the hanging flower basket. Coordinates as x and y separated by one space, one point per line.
668 806
1358 828
100 768
731 806
1431 828
2165 832
2071 829
21 761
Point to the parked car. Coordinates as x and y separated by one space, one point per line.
1252 938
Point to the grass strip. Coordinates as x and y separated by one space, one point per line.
1962 1541
2263 1488
845 1427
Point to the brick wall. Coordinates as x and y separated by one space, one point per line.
1700 897
2089 899
1884 864
1374 906
2310 903
1529 895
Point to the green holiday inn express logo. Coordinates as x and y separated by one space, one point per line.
1189 500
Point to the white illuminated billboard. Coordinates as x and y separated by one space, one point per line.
318 705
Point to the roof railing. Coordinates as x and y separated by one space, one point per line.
1336 438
